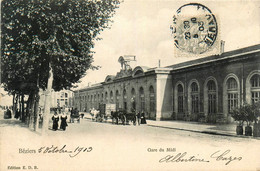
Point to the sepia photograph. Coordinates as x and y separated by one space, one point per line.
130 85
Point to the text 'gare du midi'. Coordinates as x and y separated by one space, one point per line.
204 90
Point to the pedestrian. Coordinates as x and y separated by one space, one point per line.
138 118
143 120
76 112
92 114
8 114
71 115
76 115
55 119
63 124
17 114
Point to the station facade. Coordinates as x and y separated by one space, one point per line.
203 90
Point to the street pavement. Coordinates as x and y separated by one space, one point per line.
217 129
123 147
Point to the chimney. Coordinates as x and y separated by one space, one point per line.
159 63
222 45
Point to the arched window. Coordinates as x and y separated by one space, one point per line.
194 98
95 103
111 97
142 100
106 97
138 72
66 95
102 97
232 94
86 104
255 88
117 99
212 97
133 100
125 99
91 101
180 94
152 99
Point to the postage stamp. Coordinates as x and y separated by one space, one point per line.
194 28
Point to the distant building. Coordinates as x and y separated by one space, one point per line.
205 89
63 98
5 99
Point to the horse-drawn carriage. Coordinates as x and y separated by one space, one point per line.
108 111
104 112
74 116
123 117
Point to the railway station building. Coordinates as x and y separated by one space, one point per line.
203 90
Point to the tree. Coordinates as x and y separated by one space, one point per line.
38 35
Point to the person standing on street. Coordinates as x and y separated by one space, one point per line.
71 115
55 119
63 124
17 114
8 114
143 120
139 118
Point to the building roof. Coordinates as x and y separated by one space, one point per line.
213 58
200 61
88 87
145 68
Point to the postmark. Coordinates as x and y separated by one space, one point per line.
194 28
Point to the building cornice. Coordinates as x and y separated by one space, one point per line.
207 63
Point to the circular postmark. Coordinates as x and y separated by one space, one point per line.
194 28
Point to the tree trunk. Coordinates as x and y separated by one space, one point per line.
20 105
46 113
16 105
27 116
36 111
13 105
22 112
31 110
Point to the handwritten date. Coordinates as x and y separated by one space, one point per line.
63 149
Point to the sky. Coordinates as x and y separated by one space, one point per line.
142 28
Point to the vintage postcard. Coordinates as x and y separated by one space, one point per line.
130 85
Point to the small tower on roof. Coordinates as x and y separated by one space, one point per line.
127 61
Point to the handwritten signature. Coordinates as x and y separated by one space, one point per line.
56 149
225 157
184 157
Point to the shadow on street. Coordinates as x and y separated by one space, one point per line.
11 122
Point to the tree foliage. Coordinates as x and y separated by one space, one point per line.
36 33
246 113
